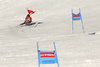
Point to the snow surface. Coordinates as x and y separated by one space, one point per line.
18 45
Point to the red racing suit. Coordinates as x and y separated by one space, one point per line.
28 18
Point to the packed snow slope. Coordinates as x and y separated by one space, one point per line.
18 46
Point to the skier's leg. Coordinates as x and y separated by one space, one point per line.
29 23
23 23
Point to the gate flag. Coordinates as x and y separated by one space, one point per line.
77 17
30 12
47 57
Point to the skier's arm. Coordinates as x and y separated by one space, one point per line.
30 19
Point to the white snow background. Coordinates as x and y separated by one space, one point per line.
18 45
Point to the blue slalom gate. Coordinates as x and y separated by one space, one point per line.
77 17
47 57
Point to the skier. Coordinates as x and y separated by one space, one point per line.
28 21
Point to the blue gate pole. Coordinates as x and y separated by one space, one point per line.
54 46
72 27
82 26
38 54
82 22
72 23
55 50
